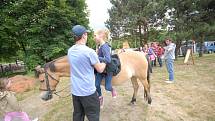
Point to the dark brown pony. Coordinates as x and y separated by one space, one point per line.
134 67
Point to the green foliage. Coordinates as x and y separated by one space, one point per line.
116 44
134 17
32 61
192 19
39 29
90 41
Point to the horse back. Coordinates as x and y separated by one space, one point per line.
134 62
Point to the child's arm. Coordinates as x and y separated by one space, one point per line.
12 102
106 54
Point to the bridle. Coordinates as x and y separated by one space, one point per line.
50 92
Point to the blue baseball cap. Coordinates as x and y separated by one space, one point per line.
79 30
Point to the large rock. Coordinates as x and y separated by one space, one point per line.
20 83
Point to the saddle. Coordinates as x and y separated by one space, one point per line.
114 66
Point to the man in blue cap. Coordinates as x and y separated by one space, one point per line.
83 60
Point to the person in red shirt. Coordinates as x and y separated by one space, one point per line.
160 52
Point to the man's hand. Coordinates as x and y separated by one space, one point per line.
100 67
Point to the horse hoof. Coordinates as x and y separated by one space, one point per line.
149 100
132 103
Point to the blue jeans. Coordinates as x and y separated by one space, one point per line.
160 61
108 85
170 68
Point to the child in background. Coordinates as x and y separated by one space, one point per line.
152 56
154 47
160 54
8 100
9 106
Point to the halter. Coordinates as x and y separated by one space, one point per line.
50 92
48 86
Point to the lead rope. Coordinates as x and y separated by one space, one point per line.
56 93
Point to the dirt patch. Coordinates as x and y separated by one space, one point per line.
20 83
35 107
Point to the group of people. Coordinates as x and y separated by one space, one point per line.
156 52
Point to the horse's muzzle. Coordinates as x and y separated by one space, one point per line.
46 95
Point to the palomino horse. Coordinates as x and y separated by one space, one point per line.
134 67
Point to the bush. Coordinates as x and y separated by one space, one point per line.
32 61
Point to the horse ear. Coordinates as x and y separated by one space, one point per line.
39 69
42 70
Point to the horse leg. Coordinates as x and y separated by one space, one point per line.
135 87
147 95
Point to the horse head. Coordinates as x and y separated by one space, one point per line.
48 81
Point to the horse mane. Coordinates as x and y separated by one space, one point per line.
51 64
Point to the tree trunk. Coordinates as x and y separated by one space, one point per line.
201 45
145 33
178 45
135 38
25 55
140 34
23 48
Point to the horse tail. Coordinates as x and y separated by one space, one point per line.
149 70
148 75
